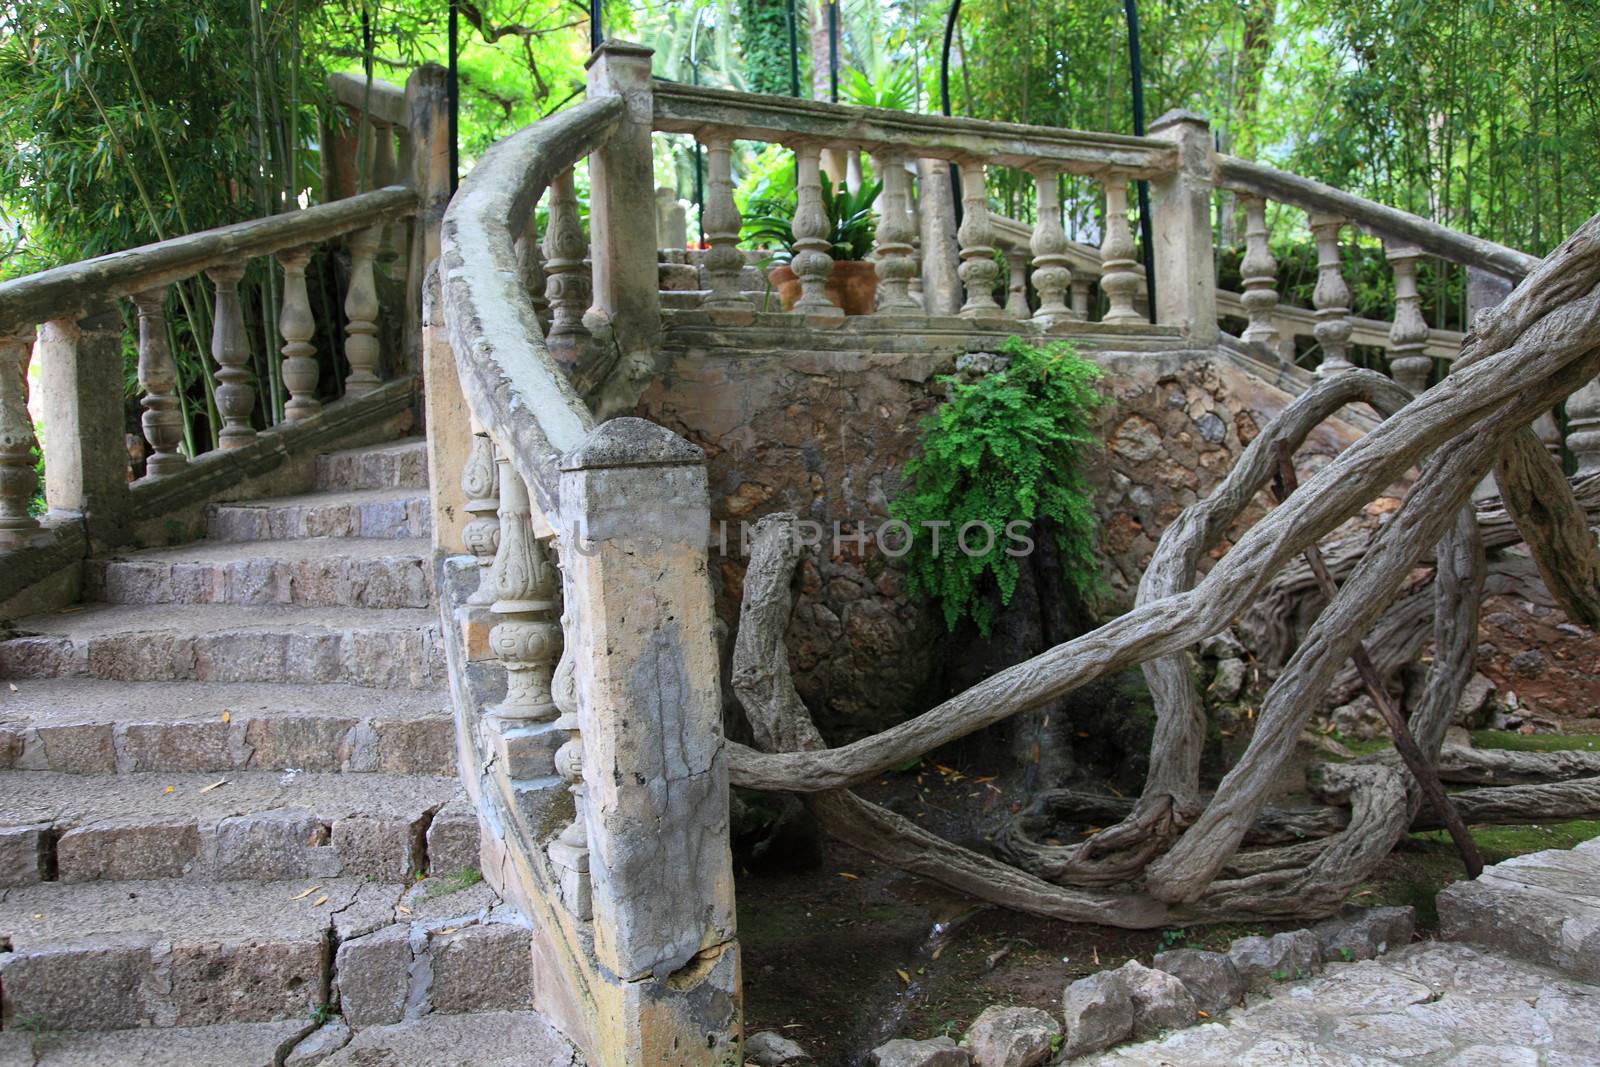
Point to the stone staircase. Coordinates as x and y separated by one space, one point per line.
229 816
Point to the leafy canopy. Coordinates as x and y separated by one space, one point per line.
1006 448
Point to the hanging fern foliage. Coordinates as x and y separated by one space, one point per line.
1006 451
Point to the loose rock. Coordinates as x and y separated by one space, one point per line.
769 1049
1278 958
935 1052
1098 1011
1210 977
1160 1001
1011 1037
1363 933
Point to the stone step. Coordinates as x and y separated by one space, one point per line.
489 1039
229 826
119 955
392 648
238 1045
317 573
399 513
396 464
1543 907
92 726
165 954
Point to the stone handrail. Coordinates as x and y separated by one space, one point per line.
386 102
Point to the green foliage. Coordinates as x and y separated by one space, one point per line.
895 91
851 222
1510 739
764 35
444 885
1007 448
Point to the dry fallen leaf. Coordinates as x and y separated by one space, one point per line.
219 783
320 901
938 952
852 877
226 715
172 789
904 977
402 909
12 686
1202 1014
307 893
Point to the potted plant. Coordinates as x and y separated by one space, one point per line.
853 282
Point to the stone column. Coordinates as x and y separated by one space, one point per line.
236 397
428 122
530 268
18 481
481 535
812 262
158 380
1331 297
895 265
297 326
1180 208
634 516
1119 277
448 426
976 237
569 852
724 263
1052 270
941 281
1080 297
1260 273
627 288
80 379
564 249
1583 427
1408 337
361 314
1017 283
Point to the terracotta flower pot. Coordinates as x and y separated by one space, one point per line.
852 285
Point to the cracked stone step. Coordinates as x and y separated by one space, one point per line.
91 726
484 1039
241 1045
259 824
119 955
316 573
391 513
386 648
397 464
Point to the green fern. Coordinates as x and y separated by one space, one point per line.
1005 449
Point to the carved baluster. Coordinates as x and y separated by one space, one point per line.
1080 298
895 267
1408 337
295 322
1260 273
527 639
1120 271
1052 270
978 269
481 534
385 172
564 249
812 261
530 267
1583 427
361 315
1331 298
570 850
158 379
1017 283
236 397
914 288
724 263
17 442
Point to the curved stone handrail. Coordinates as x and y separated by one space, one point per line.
511 382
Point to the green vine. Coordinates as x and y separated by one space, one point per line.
1005 451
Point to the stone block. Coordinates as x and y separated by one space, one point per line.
1210 977
453 841
416 746
388 849
242 657
308 742
482 968
1279 958
935 1052
41 657
24 855
1098 1011
78 748
1363 933
1160 1001
247 982
374 976
285 843
1011 1037
142 657
127 850
524 752
1543 907
175 746
98 987
318 1045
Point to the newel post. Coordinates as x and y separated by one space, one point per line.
1186 274
428 120
622 235
634 520
80 377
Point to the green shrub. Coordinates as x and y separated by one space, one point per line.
1004 449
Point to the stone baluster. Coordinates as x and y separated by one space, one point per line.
1017 283
975 237
896 267
564 250
530 267
17 442
1260 273
158 380
1331 297
236 397
1583 427
724 263
914 288
361 315
569 852
526 639
392 240
301 374
1080 297
1408 337
1120 271
813 261
1052 270
481 534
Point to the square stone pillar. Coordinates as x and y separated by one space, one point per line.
448 423
1180 209
634 517
623 241
85 447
